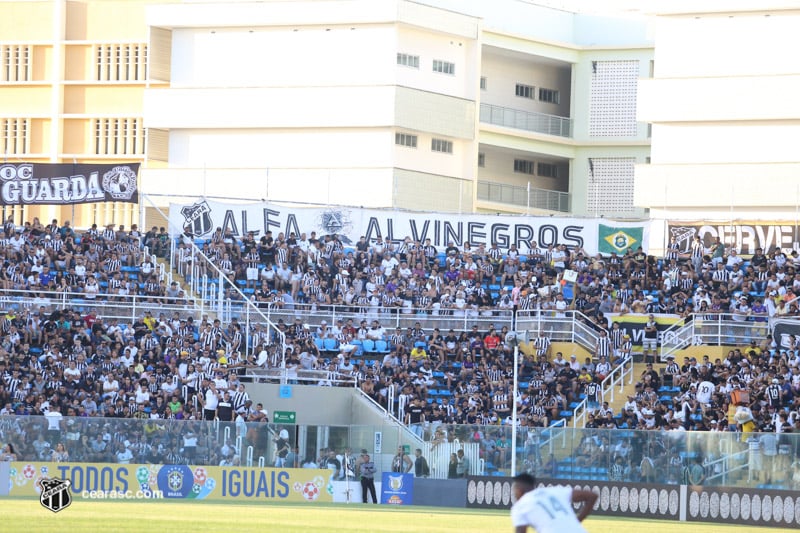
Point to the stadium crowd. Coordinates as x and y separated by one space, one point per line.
171 366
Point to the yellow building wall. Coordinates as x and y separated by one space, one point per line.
122 101
26 21
89 21
24 101
71 115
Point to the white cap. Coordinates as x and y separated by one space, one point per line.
284 434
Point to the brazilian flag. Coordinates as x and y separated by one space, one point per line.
618 239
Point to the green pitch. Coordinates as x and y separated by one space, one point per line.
164 516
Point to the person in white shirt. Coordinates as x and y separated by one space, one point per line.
704 392
124 455
549 509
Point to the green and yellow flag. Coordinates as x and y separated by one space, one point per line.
618 239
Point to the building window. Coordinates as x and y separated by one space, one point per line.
121 62
523 166
481 159
547 170
14 135
15 63
444 67
549 95
408 60
483 83
405 139
118 136
440 145
525 91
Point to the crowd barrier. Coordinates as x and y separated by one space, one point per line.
753 480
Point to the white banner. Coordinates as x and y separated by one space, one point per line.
203 217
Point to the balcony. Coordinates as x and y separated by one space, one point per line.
528 197
526 120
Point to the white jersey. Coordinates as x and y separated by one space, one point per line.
704 392
547 510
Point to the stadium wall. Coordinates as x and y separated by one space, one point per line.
729 505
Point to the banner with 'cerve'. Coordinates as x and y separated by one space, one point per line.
65 184
746 236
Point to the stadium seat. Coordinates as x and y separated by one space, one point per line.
382 347
359 351
320 344
331 345
369 346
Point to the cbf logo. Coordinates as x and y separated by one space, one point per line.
55 494
175 481
396 482
198 218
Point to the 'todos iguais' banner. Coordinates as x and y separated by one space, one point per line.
203 217
117 481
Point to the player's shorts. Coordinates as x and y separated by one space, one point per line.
252 274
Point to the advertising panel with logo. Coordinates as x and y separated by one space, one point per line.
397 489
203 217
50 482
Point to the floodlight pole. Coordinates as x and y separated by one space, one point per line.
514 410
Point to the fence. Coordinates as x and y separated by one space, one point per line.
766 460
714 330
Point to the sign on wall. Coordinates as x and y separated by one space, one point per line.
175 482
744 236
203 217
64 183
396 488
633 325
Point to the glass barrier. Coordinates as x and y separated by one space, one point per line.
761 460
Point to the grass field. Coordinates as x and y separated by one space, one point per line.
131 516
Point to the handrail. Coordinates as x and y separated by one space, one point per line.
389 415
197 252
529 197
526 120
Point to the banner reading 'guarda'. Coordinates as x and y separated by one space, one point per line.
64 183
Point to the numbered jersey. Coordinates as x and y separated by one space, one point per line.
547 510
704 392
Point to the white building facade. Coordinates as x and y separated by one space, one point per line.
725 123
457 106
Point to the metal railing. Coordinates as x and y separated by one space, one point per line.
226 288
615 378
526 120
523 196
129 308
713 329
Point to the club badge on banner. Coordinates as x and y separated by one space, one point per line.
396 488
203 217
176 481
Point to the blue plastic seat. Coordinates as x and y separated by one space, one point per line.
369 346
330 345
